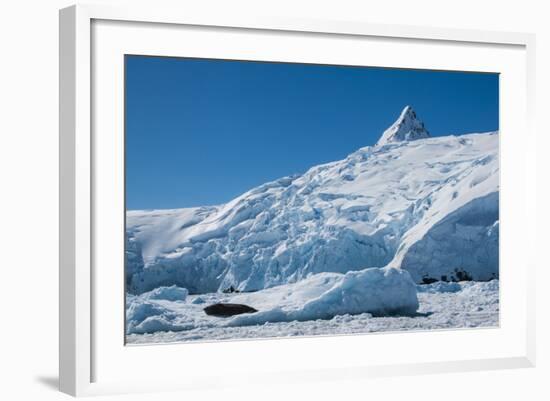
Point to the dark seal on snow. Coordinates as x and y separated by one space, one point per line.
224 310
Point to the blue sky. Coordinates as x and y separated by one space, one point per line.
200 132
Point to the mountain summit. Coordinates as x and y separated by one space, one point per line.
406 128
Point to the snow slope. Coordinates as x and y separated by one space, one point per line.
426 205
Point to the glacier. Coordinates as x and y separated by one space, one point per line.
427 206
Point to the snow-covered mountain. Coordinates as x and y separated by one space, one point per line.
426 205
406 128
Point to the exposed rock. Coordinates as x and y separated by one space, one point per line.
230 290
225 310
428 280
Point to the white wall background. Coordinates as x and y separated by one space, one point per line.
29 185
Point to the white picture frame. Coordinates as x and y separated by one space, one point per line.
94 361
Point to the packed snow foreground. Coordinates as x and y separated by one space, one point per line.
320 296
442 305
353 237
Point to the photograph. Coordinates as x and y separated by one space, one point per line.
268 199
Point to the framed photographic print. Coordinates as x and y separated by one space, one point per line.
253 208
272 189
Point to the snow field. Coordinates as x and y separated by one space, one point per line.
441 306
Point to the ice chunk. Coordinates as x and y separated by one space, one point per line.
147 317
172 293
146 314
477 289
439 287
154 324
198 300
